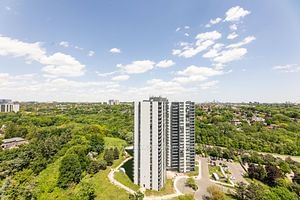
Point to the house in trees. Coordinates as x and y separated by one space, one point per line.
13 142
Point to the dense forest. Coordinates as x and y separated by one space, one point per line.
71 145
68 146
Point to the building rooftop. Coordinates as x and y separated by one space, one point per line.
15 139
5 101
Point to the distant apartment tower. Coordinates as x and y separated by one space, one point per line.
150 127
181 137
6 105
113 102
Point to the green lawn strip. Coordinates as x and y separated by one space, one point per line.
127 177
167 189
114 142
104 189
125 180
46 183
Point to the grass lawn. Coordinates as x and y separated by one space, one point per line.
47 180
114 142
103 188
127 178
46 183
167 189
215 169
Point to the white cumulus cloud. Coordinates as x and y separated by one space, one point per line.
234 14
190 51
203 42
245 41
120 78
289 68
137 67
196 74
57 64
60 64
203 71
165 63
213 35
230 55
208 85
91 53
232 36
115 50
216 21
233 27
64 44
16 48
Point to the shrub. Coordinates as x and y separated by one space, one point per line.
69 170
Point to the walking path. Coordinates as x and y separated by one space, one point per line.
203 181
129 190
115 182
168 196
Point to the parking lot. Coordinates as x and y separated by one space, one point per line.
236 171
204 180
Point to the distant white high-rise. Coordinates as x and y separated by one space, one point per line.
6 105
149 143
164 138
113 102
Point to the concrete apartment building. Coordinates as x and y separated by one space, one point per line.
181 137
149 143
6 105
113 102
164 139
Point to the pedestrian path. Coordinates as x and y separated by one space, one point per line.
130 191
112 179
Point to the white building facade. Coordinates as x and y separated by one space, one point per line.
149 143
113 102
164 138
6 105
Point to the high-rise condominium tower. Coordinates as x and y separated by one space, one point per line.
164 138
150 126
181 137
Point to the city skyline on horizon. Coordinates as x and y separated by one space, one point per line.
234 51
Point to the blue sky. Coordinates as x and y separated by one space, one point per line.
198 50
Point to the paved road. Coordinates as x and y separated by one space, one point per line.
182 188
205 181
295 158
283 157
